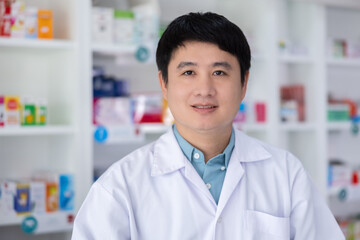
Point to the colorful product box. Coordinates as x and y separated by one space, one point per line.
123 27
52 197
41 112
2 111
22 198
112 111
5 18
38 196
8 192
12 111
31 22
260 110
102 24
18 19
45 24
28 115
147 108
66 193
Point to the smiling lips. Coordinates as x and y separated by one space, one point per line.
204 108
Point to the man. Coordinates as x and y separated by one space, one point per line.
203 179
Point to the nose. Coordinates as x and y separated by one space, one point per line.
205 86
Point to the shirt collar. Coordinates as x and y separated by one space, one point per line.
167 155
188 149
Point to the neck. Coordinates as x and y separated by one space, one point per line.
209 143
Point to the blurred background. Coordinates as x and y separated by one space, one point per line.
79 90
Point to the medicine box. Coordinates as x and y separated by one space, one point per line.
2 111
5 18
112 111
45 23
7 194
18 19
52 196
22 198
41 112
28 109
37 196
147 108
31 22
102 24
123 27
12 111
66 192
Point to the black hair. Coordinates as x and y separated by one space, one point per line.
204 27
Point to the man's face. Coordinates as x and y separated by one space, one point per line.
204 89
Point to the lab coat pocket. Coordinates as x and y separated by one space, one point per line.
260 226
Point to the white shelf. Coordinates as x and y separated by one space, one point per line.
113 49
304 59
252 127
37 43
339 126
154 128
37 130
297 127
46 222
343 62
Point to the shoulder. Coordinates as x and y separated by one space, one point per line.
267 156
136 165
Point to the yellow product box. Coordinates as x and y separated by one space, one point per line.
12 111
45 23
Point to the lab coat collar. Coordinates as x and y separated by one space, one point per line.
248 149
168 156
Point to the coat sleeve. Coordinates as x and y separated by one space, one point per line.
101 217
311 218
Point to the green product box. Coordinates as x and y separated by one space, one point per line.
29 117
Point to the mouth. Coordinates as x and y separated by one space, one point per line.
204 107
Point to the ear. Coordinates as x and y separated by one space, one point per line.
244 86
162 85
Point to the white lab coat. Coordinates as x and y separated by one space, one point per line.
155 193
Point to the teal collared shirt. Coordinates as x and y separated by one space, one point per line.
213 172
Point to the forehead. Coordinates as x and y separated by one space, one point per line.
201 51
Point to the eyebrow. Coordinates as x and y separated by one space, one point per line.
223 64
216 64
185 64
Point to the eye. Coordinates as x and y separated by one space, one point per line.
219 73
188 73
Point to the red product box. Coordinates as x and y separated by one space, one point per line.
5 18
296 93
260 110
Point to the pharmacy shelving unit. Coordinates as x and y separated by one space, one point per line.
342 81
50 69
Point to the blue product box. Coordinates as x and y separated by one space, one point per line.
22 198
67 192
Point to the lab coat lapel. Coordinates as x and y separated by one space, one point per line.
246 150
168 158
192 175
